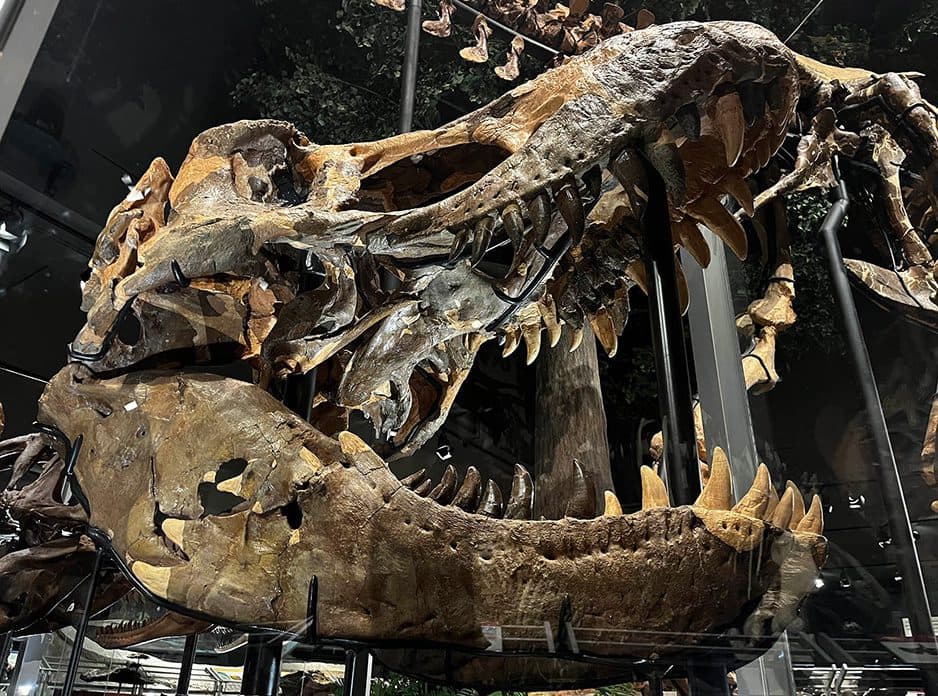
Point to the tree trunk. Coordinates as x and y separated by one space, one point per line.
569 423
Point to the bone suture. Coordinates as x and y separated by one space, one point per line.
256 210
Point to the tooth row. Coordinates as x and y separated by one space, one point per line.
760 502
122 627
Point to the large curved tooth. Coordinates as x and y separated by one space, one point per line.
730 122
582 503
737 187
445 489
654 493
686 232
813 521
797 507
576 338
613 506
521 501
513 222
530 319
756 501
548 310
482 238
460 242
467 497
782 515
415 479
570 206
512 341
605 331
773 504
711 212
539 212
424 488
491 503
718 493
173 530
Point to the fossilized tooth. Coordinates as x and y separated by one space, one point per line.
687 233
773 504
467 496
797 507
460 242
424 488
730 122
654 493
414 479
737 187
513 222
576 338
512 340
539 212
605 331
582 503
813 521
173 530
443 26
711 212
446 488
570 206
613 506
491 503
718 493
479 53
781 518
532 336
482 238
521 501
548 311
756 501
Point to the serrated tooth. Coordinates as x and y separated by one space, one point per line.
613 506
636 271
482 238
730 122
773 504
582 503
511 341
414 479
797 506
445 489
521 501
570 206
718 493
756 501
530 320
460 242
813 521
467 497
424 488
711 213
737 187
539 212
605 331
576 338
491 503
782 515
548 310
173 530
686 232
654 493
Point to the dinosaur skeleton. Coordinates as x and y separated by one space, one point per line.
385 266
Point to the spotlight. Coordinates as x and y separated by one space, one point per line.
819 583
844 579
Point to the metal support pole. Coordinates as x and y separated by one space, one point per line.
262 666
6 645
71 672
185 667
409 69
667 330
357 680
914 589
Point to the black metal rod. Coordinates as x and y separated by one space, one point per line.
409 69
71 672
262 665
357 680
914 591
185 667
6 645
667 330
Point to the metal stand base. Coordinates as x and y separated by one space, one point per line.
185 667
